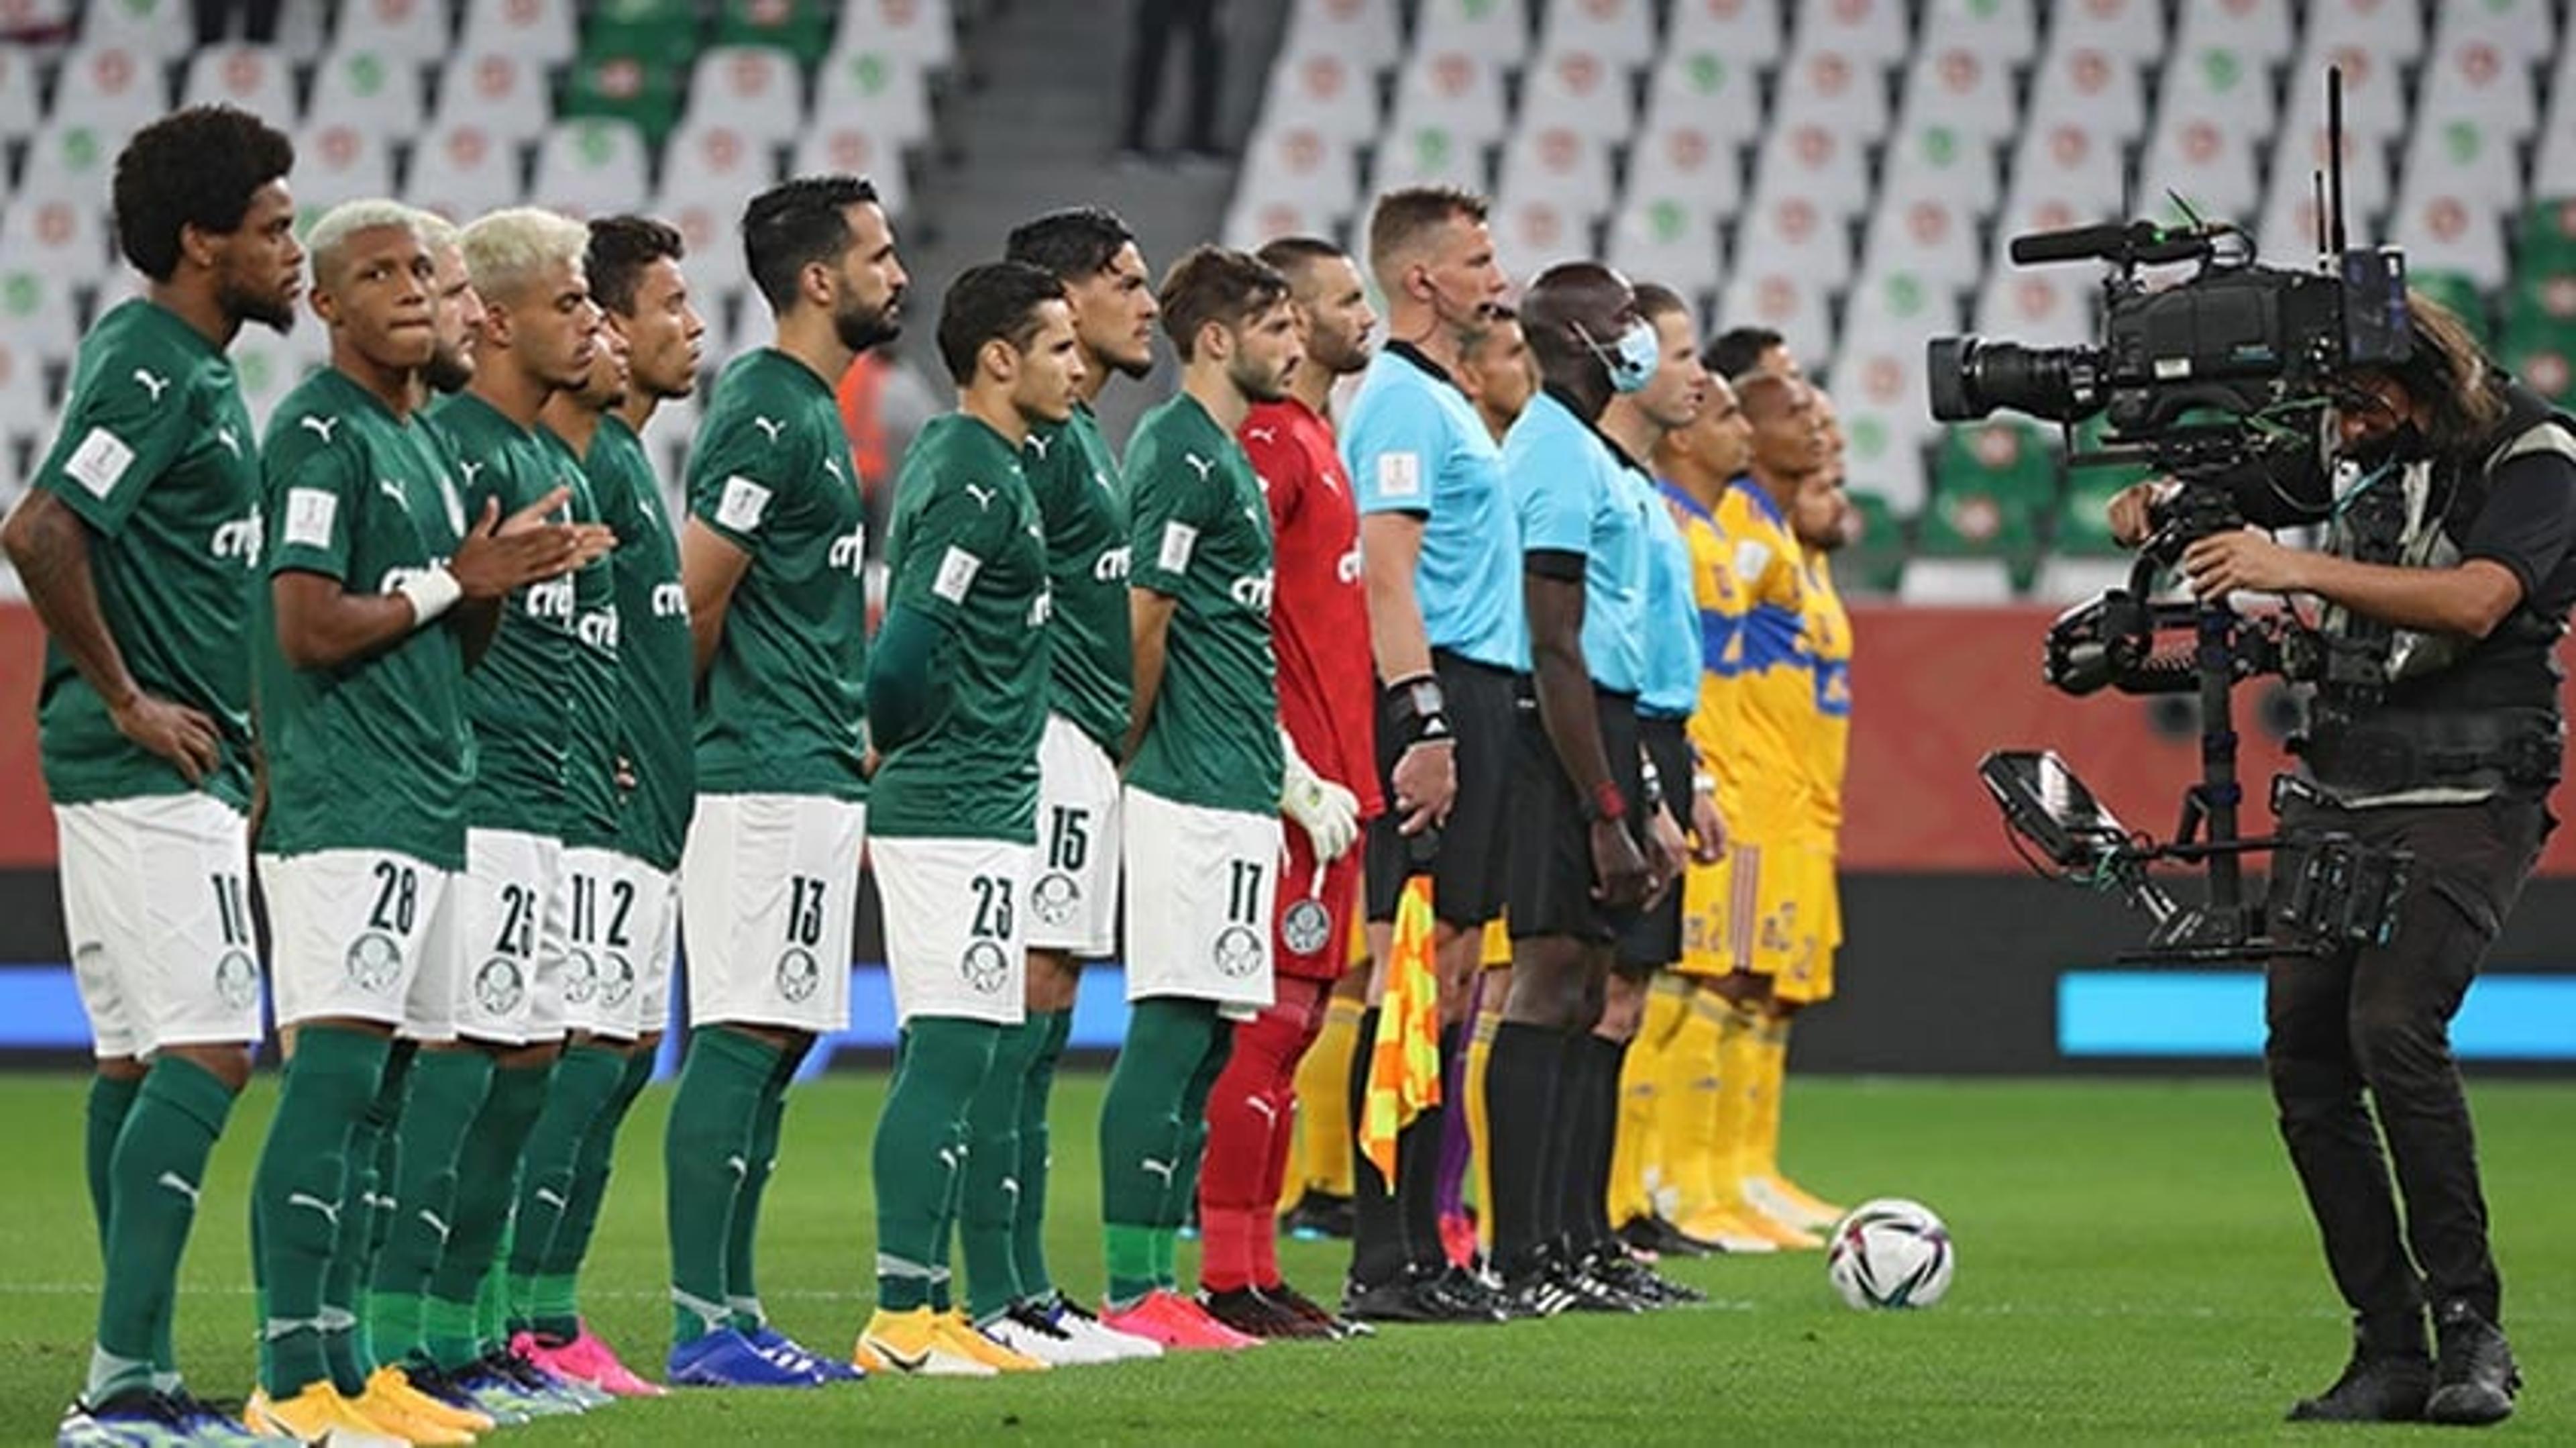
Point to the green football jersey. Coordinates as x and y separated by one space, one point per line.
966 548
591 793
782 708
521 693
1088 658
1200 534
376 753
655 691
157 455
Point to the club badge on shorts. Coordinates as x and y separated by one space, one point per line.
237 980
1306 927
1238 952
798 975
1055 897
581 977
616 980
985 967
374 961
499 986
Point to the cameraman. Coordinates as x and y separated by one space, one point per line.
2464 485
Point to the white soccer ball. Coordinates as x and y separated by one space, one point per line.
1890 1253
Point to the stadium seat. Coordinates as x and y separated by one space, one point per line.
1366 34
2395 31
1932 158
1621 32
847 146
67 236
68 161
38 308
640 90
2221 85
161 29
2459 292
1294 164
2004 31
1875 33
2447 228
2131 28
1566 167
411 30
2374 101
25 412
112 88
662 31
1707 91
2468 154
1828 168
2478 78
2539 341
1953 582
923 32
1495 31
1580 90
339 160
1841 90
2522 27
1251 220
1453 91
1668 237
539 30
2209 164
756 89
1933 234
19 114
2063 175
1676 158
376 89
252 77
2089 86
2289 210
711 160
2545 235
1775 291
591 167
1534 232
1750 32
1324 93
1429 155
461 169
1801 227
881 90
1962 89
2043 306
2263 31
711 229
270 366
1876 560
497 92
799 27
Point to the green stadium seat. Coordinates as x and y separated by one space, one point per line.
632 88
2545 238
801 27
658 30
2462 295
2012 460
1875 562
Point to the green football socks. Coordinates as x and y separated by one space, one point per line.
922 1154
299 1191
706 1155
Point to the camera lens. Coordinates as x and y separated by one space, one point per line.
1970 377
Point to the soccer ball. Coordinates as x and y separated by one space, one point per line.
1890 1253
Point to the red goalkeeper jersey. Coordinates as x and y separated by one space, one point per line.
1319 604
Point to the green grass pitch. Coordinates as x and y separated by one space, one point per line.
2135 1267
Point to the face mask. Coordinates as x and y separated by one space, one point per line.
1632 362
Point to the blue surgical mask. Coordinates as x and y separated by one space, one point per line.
1631 363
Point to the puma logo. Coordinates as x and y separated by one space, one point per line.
181 1185
1161 1169
1038 443
1204 466
154 385
983 496
771 426
319 426
737 1166
394 491
1263 433
834 468
1268 1111
469 470
231 442
330 1213
435 1223
548 1196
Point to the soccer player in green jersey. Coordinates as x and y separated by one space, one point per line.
1073 901
957 698
380 592
136 544
622 879
1203 773
773 558
456 310
474 1097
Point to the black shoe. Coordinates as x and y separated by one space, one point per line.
2474 1379
1642 1282
1593 1293
1292 1300
1319 1215
2381 1389
1656 1235
1250 1313
1535 1291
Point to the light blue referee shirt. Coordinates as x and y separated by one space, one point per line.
1414 444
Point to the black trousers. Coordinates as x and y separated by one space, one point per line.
2377 1020
1157 22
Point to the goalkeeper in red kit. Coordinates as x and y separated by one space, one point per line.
1319 629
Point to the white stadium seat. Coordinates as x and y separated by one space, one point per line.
2063 175
1620 31
923 32
1491 30
1747 30
1533 232
338 160
162 29
2468 155
2263 30
112 88
253 77
1680 159
2132 28
67 236
2222 84
1453 90
1363 33
378 89
19 114
1566 166
711 229
1932 159
882 90
2444 228
2042 306
590 167
1299 166
2374 105
1799 228
2006 31
412 30
1708 91
1875 32
755 89
1668 237
1829 169
1959 86
497 91
1778 294
1931 233
2479 78
2390 28
2527 27
849 147
461 169
1580 89
69 160
2089 86
1843 90
2209 163
1326 93
540 30
712 160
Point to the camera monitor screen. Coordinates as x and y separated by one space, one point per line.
2046 804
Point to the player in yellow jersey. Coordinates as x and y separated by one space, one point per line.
1818 514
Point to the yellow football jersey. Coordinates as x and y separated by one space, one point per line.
1760 757
1826 739
1720 601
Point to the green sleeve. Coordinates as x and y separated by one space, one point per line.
311 511
127 423
903 676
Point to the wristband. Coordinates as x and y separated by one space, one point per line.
1651 783
1605 804
1703 782
431 592
1421 714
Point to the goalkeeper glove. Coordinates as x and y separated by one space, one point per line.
1329 814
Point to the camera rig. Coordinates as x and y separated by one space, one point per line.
2229 370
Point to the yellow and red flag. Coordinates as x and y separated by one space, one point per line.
1404 1060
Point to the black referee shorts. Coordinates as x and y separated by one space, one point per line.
1551 866
1655 941
1467 878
